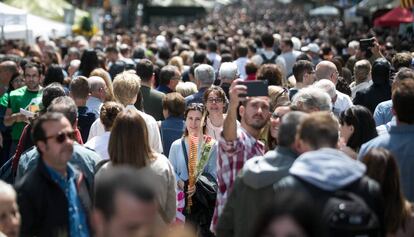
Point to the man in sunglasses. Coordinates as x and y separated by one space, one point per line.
82 158
54 197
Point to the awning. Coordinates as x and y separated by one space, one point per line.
395 17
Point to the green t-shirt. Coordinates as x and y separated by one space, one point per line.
28 100
4 100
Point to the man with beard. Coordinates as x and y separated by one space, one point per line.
237 144
54 197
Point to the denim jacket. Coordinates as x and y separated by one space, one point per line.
83 159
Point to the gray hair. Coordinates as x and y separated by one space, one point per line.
288 127
310 99
353 44
186 88
362 69
95 83
327 86
204 74
228 71
7 190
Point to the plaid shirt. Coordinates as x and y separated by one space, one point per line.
231 157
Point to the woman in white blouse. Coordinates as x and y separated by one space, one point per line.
215 101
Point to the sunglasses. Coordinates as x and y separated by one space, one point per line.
196 106
61 136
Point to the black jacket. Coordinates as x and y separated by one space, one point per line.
380 90
43 204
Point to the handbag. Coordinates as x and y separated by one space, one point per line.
206 185
204 198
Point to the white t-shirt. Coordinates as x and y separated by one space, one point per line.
343 102
100 144
154 136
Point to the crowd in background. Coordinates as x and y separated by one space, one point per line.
135 132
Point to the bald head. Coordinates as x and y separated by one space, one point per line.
7 70
326 70
97 87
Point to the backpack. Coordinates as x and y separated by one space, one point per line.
268 60
347 214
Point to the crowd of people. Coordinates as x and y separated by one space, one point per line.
141 132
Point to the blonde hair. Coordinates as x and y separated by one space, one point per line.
278 96
126 87
178 62
100 72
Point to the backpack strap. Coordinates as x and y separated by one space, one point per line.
100 164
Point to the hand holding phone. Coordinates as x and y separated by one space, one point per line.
366 44
255 88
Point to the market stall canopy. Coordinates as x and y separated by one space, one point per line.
395 17
18 24
50 9
324 11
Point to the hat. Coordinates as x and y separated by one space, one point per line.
311 47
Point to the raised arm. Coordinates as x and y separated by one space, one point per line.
230 123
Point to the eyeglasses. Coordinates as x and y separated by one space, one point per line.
214 100
276 116
61 136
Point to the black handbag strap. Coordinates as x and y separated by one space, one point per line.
185 153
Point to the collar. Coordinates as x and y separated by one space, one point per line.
286 151
250 137
175 118
94 99
402 128
59 178
164 88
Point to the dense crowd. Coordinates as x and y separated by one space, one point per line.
257 120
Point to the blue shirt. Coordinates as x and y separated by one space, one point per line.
77 218
164 89
400 141
171 129
196 98
94 105
383 113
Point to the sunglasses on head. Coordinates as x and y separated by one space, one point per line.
196 106
61 136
